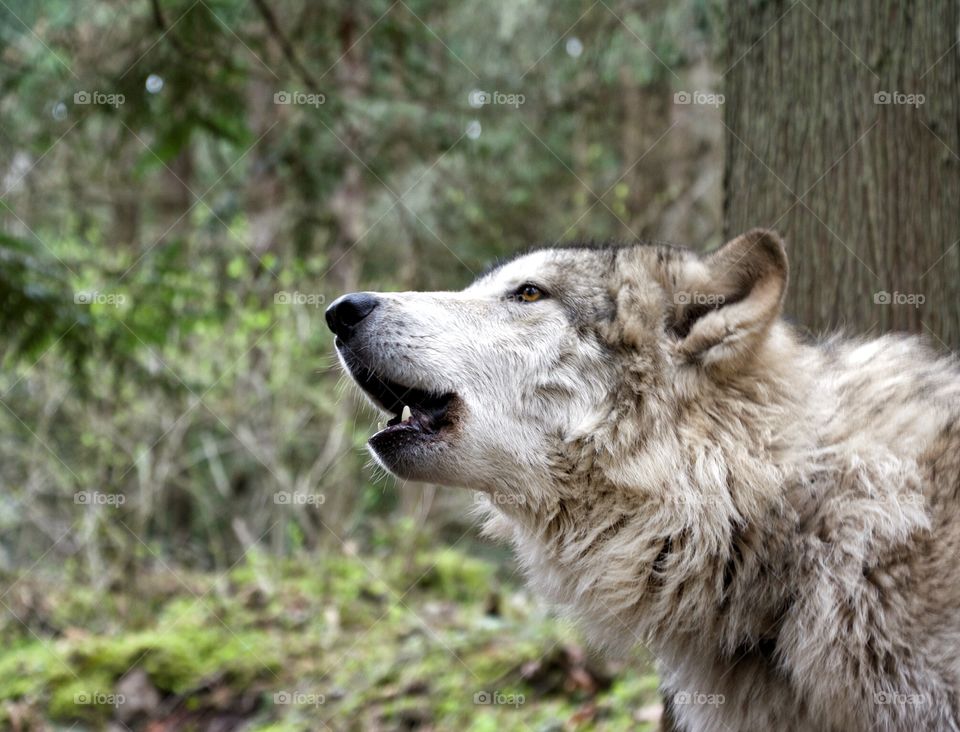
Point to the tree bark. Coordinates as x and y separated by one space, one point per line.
866 193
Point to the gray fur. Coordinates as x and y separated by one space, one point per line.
776 520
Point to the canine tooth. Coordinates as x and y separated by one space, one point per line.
405 414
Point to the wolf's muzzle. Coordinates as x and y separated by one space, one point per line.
347 311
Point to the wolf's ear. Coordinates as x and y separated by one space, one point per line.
725 303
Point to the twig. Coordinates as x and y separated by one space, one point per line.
285 46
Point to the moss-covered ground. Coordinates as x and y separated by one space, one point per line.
425 638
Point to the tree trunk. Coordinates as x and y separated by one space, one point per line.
864 185
825 144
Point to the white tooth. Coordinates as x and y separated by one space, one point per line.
405 414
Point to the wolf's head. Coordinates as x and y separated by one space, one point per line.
488 387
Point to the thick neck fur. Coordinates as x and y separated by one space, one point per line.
659 530
749 525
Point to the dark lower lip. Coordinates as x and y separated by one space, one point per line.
400 437
405 449
413 441
423 427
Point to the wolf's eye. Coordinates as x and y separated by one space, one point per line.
528 293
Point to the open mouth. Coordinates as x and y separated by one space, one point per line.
415 412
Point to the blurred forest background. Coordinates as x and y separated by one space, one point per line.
191 535
188 517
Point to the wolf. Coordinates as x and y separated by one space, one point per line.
775 517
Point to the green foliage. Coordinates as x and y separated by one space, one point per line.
36 306
148 166
161 394
456 576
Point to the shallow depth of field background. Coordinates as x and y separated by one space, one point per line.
191 533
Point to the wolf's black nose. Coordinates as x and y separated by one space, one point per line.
346 311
